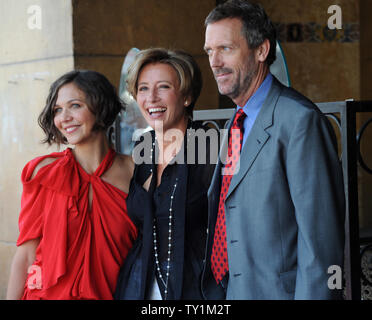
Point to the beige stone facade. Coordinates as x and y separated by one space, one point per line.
30 59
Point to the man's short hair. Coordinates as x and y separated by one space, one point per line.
256 24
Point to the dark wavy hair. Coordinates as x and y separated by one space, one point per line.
102 101
256 24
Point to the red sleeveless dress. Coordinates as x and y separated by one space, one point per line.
81 249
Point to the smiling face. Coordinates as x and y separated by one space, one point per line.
234 65
72 116
159 97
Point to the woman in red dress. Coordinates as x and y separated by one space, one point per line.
74 229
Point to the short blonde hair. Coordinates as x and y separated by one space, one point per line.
187 70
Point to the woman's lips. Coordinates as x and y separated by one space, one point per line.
71 129
156 112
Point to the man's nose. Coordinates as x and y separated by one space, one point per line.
215 60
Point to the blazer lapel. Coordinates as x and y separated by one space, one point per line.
257 137
214 189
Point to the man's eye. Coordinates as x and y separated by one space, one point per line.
226 48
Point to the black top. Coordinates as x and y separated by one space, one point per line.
189 224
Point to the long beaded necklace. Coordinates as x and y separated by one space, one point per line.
164 280
170 223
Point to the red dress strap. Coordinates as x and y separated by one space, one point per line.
106 163
102 168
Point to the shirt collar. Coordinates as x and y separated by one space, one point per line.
254 103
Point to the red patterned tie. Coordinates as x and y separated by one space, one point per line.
219 261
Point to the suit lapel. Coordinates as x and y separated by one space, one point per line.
257 137
215 185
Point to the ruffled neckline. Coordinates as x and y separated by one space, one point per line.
101 169
66 168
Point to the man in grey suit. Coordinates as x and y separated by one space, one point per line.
278 224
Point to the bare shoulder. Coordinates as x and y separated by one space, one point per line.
125 163
123 167
42 164
121 172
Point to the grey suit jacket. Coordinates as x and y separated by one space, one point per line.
285 206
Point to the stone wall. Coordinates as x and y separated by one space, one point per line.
104 31
30 60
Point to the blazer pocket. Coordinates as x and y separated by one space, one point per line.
288 280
